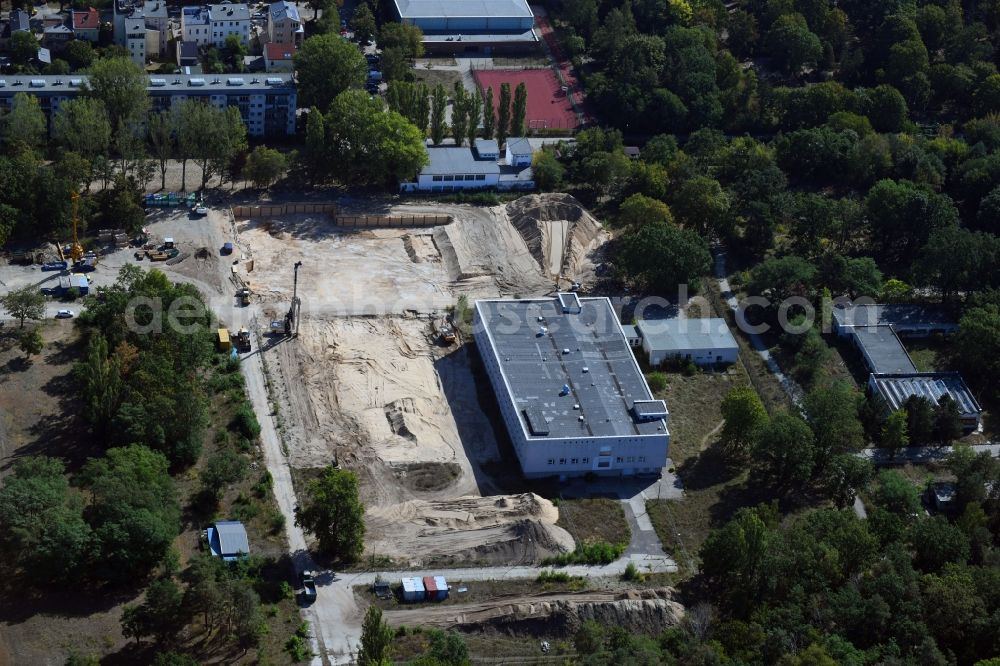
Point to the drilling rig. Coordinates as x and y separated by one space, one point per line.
292 317
76 251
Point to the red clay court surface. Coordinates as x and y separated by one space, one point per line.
547 105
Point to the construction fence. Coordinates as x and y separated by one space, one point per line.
391 220
277 210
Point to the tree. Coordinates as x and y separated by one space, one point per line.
955 259
245 618
895 435
844 476
161 614
79 54
333 513
903 215
519 110
25 126
121 85
662 255
832 412
503 114
781 278
489 115
24 303
885 108
370 144
133 510
235 51
459 114
376 637
548 170
363 23
785 451
82 125
264 166
30 342
701 204
744 420
449 648
315 149
325 66
919 419
792 45
937 542
23 48
406 37
161 138
896 494
974 473
639 209
475 113
222 469
204 593
439 103
947 421
733 558
976 344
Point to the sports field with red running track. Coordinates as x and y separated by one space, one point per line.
548 106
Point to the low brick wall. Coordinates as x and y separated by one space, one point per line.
391 220
277 210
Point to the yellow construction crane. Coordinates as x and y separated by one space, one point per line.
76 252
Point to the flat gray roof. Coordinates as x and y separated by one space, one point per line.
488 146
586 353
446 160
884 350
900 315
229 12
232 537
686 334
494 36
896 388
412 9
519 146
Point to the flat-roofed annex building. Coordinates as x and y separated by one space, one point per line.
471 26
573 398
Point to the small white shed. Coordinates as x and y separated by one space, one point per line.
703 341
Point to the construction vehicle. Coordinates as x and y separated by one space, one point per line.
446 333
292 318
242 340
76 251
224 344
244 296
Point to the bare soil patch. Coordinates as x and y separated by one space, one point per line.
594 519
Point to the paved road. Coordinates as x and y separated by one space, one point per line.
794 391
920 454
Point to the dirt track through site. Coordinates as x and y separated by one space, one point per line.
368 384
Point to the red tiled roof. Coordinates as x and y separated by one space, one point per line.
275 51
88 20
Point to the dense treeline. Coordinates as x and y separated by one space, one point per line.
107 138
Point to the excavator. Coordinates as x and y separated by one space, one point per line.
292 316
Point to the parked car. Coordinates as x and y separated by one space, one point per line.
227 248
201 210
64 314
54 266
308 586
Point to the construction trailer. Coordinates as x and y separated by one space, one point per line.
413 589
223 340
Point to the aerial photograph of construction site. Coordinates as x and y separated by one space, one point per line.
468 332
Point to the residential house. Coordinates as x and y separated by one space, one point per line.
229 19
278 57
18 21
135 39
56 37
284 26
87 25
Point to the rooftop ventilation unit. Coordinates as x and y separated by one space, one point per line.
570 302
157 83
273 81
649 410
3 83
235 81
196 82
37 83
75 83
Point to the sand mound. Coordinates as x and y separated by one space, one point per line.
559 232
468 529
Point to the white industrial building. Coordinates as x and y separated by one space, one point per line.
702 341
573 398
876 331
452 168
471 26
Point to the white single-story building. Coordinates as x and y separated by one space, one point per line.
519 152
453 168
703 341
